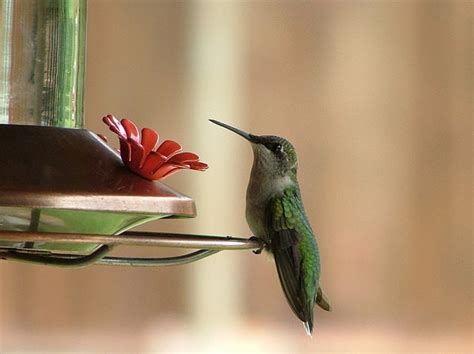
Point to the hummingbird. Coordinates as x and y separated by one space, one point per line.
276 215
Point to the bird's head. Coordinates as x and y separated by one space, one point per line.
272 154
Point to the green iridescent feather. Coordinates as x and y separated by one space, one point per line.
296 252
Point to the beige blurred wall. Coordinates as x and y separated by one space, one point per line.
377 99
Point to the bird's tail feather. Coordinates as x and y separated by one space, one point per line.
308 327
322 300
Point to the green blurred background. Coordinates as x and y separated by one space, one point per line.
376 97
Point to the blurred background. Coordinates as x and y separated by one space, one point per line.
377 99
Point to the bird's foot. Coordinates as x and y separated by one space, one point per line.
262 243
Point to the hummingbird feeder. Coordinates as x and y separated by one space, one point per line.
66 197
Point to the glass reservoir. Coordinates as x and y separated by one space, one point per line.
42 58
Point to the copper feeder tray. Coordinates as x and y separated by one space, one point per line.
49 173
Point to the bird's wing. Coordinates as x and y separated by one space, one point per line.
286 224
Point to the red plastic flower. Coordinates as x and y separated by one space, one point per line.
140 154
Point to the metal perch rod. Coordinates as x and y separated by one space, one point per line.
208 245
136 238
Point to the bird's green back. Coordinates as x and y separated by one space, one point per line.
295 250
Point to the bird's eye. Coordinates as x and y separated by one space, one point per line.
275 148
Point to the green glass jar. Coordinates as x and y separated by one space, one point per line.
42 59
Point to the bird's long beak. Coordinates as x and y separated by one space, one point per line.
250 137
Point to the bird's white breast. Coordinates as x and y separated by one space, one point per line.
259 193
